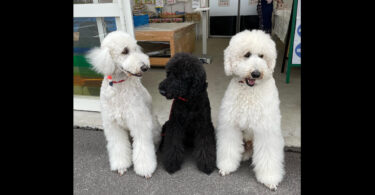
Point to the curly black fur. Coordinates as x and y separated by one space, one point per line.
190 121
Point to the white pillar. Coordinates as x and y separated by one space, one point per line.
204 32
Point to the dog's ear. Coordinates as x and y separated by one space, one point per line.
101 60
199 83
227 61
197 87
272 63
271 54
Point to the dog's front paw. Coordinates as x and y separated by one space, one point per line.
145 169
269 180
121 171
206 167
223 173
272 187
120 165
172 167
227 166
172 158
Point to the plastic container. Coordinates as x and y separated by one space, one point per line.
140 20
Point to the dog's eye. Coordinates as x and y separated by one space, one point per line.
248 54
261 55
125 51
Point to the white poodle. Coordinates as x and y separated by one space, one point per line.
126 104
249 117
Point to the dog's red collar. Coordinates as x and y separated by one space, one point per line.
109 77
183 99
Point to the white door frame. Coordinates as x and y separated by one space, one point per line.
121 10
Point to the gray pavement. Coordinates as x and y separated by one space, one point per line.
92 174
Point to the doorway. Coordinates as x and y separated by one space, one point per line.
233 15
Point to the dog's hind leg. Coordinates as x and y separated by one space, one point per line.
205 149
118 146
173 147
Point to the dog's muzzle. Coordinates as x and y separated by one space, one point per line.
137 75
144 68
163 92
250 82
167 95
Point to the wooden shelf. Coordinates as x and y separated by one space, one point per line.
181 37
155 61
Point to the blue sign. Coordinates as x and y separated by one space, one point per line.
299 30
298 50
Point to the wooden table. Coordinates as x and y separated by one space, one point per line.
181 37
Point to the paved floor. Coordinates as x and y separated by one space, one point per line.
92 174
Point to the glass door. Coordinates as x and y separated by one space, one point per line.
90 25
223 13
235 15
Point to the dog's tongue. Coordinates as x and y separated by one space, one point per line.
250 81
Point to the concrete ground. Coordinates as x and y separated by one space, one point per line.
92 174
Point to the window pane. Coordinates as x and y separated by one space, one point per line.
87 81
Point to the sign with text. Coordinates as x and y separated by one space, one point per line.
296 59
223 3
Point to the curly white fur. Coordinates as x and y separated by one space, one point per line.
251 113
126 107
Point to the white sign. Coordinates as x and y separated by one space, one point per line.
195 4
159 3
253 2
171 1
203 3
223 3
296 59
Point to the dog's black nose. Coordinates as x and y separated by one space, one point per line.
144 68
255 74
162 92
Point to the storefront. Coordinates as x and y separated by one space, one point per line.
162 28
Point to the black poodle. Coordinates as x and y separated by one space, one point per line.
189 123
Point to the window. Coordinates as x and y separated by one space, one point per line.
93 19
